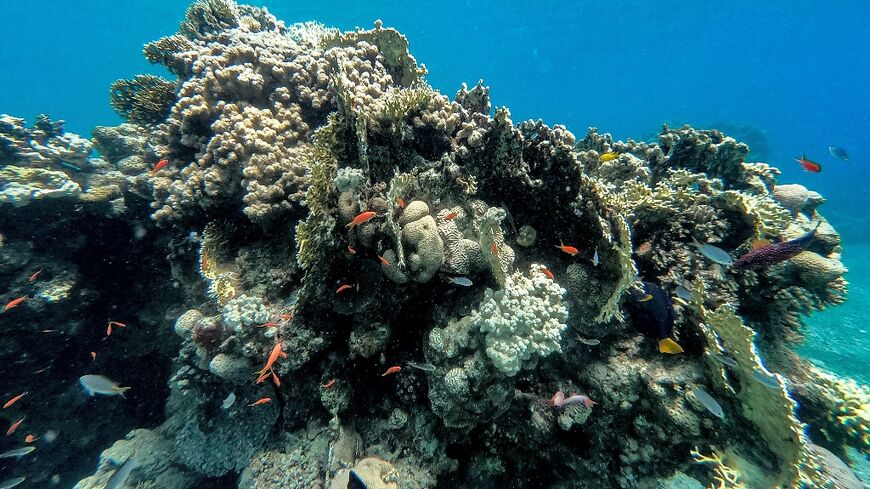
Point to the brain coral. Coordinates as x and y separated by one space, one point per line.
523 320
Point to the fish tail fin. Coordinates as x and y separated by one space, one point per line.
669 346
121 390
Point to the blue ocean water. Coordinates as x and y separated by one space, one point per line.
793 76
797 73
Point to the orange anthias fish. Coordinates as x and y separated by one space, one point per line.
258 402
33 277
343 288
644 248
93 356
809 165
384 261
277 351
275 379
548 273
30 438
286 317
451 216
159 166
263 377
351 250
391 370
270 324
361 218
14 400
113 323
494 249
329 384
15 303
14 426
567 249
401 202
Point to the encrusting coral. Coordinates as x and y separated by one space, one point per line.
370 279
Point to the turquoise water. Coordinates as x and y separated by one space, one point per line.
787 80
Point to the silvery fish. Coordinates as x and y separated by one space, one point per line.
595 260
714 253
229 401
589 341
837 152
17 453
766 380
726 360
426 367
463 281
12 482
97 384
708 402
684 293
120 476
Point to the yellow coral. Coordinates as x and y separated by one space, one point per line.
851 406
224 287
724 476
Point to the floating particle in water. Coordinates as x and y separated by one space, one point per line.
426 367
50 436
725 360
708 402
765 379
589 341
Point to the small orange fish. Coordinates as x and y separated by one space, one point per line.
15 303
548 273
286 317
391 370
33 277
30 438
494 249
109 330
258 402
159 166
384 261
14 426
361 218
113 323
14 399
451 216
270 324
809 165
263 377
275 379
644 248
351 250
343 288
401 202
567 249
93 356
329 384
277 351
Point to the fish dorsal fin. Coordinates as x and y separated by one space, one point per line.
669 346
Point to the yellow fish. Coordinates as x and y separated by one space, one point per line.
608 156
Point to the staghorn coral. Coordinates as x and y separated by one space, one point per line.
146 99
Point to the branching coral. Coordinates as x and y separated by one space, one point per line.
146 99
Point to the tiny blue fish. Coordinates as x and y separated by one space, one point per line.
838 152
461 281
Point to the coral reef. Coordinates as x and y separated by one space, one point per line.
369 280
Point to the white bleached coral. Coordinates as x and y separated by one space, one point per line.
523 320
245 310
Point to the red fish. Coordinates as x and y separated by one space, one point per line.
113 323
451 216
384 261
391 370
258 402
275 379
93 356
159 166
30 438
343 288
401 202
33 277
494 249
263 377
270 324
361 218
15 303
14 426
286 317
329 384
567 249
809 165
273 357
14 400
351 250
548 273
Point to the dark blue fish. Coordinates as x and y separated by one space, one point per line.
653 314
775 253
837 152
